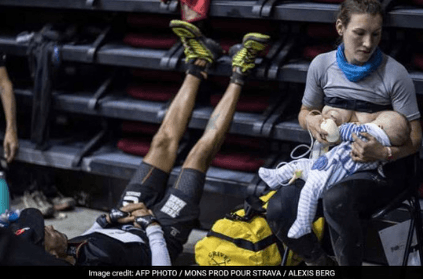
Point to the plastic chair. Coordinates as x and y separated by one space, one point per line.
409 200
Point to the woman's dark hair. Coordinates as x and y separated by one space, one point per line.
349 7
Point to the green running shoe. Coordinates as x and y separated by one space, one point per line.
196 45
252 45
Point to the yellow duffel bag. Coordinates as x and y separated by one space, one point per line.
242 239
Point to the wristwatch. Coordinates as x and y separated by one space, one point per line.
114 215
145 221
102 221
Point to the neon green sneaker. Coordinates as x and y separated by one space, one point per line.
196 45
252 45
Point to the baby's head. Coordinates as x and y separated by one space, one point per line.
395 125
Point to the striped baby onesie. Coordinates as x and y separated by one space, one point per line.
322 173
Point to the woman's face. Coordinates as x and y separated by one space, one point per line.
360 37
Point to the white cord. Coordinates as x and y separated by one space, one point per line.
277 167
310 148
303 145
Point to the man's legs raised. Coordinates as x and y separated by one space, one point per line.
149 181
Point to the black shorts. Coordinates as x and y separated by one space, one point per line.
176 211
147 185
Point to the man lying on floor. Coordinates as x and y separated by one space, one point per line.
151 223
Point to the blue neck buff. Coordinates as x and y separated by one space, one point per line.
355 73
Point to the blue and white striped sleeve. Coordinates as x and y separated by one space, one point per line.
347 129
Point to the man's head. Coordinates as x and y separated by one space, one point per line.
395 125
31 227
55 242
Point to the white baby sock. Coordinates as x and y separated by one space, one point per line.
281 175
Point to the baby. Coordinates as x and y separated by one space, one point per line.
388 127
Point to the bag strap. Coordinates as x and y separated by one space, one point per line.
245 244
253 206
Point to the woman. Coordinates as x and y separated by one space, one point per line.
356 76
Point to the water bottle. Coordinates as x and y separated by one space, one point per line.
4 193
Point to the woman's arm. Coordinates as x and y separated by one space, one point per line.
372 150
10 143
311 119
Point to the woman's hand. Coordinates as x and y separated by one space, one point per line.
10 145
367 151
313 125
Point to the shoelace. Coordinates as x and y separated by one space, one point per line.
195 48
246 58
